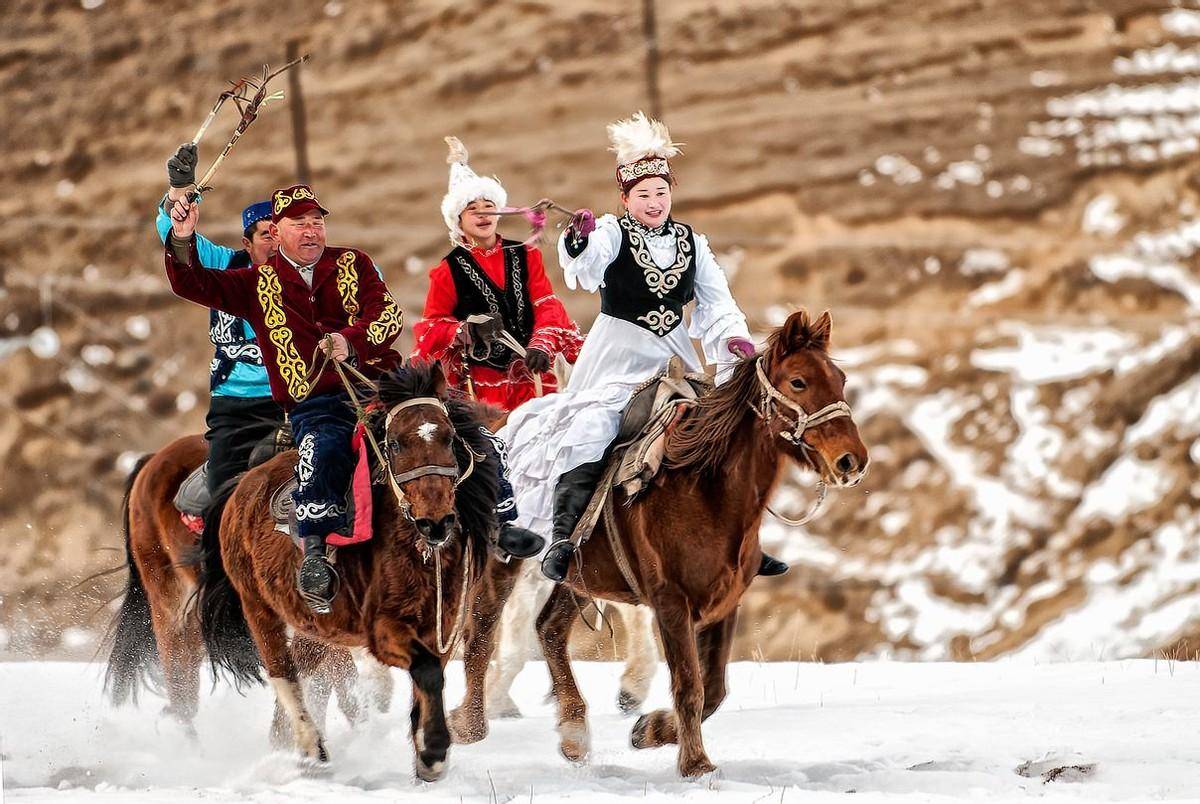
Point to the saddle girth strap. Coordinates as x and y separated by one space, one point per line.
618 548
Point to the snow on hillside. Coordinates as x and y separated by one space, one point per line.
788 732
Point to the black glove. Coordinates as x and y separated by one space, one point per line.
484 333
537 361
181 168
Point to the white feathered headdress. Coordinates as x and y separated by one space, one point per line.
465 187
643 147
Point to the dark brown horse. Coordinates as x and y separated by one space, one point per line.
156 634
692 537
440 487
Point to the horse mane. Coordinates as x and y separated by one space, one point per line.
705 437
475 497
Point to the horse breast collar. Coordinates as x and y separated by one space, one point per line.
771 397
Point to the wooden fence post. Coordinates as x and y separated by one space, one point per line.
299 125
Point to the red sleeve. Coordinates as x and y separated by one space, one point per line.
380 320
553 330
434 333
231 290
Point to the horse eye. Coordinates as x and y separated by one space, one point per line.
798 384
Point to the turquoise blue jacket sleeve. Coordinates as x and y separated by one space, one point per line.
211 254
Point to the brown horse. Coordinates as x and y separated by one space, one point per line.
440 484
156 634
692 537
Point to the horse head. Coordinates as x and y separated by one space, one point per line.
418 439
803 401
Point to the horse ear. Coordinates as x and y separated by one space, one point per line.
438 376
793 334
819 332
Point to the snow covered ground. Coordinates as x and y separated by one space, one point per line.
788 732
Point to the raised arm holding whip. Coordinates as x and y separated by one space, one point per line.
241 412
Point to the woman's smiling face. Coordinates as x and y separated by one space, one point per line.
649 201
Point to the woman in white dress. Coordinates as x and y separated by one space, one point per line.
646 266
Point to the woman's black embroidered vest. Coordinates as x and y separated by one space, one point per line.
228 335
479 295
638 291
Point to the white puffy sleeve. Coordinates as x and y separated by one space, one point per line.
584 263
717 317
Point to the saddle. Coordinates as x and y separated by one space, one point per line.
193 499
656 406
652 413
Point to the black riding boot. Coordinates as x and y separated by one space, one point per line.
519 542
317 580
770 565
571 497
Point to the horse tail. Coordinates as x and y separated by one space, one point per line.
231 648
133 660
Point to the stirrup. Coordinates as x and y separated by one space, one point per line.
318 604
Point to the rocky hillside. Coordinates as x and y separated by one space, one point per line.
999 201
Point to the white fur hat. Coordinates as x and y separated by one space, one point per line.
465 187
643 147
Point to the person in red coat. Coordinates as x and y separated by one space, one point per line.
305 298
499 284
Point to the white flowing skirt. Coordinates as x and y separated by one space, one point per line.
550 436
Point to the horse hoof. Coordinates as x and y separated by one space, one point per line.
638 737
465 729
503 708
574 743
431 772
316 756
627 702
697 768
505 713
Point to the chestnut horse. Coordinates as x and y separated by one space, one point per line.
155 637
440 484
692 537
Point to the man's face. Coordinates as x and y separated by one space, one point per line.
261 243
301 238
477 226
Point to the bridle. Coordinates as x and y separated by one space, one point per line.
770 400
768 409
397 481
445 646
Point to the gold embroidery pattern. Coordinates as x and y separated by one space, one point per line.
347 284
291 367
644 167
284 200
389 322
660 321
660 281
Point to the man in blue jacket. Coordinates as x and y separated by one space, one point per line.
241 412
